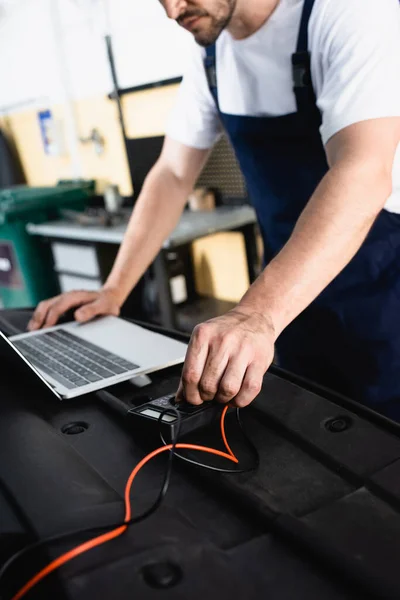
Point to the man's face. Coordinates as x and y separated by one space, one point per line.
205 19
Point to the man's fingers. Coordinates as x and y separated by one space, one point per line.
213 372
92 304
95 309
66 302
40 314
231 382
49 311
87 312
180 396
196 357
251 386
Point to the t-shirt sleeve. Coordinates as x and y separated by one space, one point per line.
194 120
355 49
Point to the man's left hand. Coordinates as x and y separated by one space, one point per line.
227 358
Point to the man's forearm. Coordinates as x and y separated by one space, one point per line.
155 215
328 234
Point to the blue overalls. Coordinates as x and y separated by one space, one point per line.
349 338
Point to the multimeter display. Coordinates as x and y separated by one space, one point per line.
155 414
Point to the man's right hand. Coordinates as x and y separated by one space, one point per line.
91 304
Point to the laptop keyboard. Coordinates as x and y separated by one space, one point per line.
70 360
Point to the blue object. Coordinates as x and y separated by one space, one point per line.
46 124
349 338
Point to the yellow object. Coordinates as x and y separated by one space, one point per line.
221 266
146 113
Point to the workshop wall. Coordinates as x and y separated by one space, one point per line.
213 256
43 169
54 56
145 113
56 60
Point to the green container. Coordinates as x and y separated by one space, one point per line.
26 264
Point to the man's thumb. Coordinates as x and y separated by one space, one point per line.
86 313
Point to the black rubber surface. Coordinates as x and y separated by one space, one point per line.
320 519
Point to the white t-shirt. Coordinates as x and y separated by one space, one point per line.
355 64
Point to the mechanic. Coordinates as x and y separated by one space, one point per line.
323 173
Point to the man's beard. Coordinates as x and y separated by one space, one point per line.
217 23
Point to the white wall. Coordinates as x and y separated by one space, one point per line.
148 47
28 70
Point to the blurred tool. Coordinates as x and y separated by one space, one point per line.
202 199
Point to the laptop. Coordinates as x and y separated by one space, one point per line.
75 359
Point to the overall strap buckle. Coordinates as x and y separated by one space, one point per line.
303 86
211 71
301 70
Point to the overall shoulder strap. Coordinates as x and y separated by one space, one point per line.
301 64
210 65
302 40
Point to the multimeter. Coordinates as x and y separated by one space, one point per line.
191 417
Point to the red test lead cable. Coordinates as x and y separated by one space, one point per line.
106 537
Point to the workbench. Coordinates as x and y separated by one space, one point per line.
83 257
